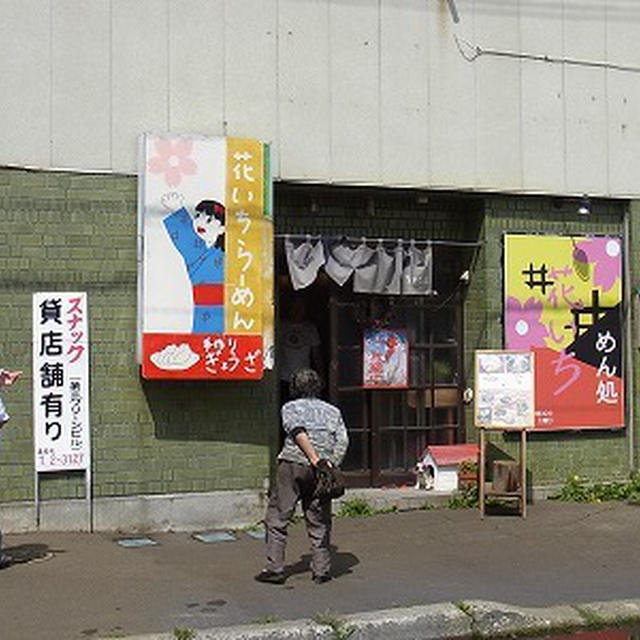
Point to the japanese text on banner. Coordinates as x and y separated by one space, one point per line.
245 202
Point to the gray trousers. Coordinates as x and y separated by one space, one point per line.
296 482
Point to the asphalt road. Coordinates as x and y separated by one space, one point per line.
79 585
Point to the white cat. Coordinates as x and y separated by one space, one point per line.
424 476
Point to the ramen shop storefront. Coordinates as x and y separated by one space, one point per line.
383 311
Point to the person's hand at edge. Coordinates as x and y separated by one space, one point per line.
9 377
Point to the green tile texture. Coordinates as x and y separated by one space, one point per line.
63 231
603 455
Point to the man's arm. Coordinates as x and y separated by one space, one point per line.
301 438
341 442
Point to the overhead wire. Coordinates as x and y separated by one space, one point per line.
376 240
471 52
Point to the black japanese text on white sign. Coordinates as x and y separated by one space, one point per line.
61 381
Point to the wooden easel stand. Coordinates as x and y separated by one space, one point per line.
521 493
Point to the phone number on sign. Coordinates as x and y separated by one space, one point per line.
62 460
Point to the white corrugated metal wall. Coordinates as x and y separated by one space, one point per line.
348 91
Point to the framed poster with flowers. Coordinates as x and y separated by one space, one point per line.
385 358
563 301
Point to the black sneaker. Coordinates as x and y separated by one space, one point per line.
5 561
321 579
270 577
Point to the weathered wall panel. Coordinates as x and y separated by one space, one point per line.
452 95
196 86
498 97
355 91
404 93
250 69
347 91
586 102
81 101
543 132
623 105
25 70
139 76
304 103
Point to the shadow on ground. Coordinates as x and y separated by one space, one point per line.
25 553
341 563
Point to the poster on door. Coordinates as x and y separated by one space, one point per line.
206 258
61 381
562 301
386 358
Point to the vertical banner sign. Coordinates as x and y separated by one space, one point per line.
243 304
61 382
563 299
206 264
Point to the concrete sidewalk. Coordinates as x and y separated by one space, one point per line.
86 585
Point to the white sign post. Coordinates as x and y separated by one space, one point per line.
61 388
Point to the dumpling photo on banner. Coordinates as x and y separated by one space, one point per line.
563 301
205 279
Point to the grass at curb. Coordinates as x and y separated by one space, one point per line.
360 508
594 621
511 622
467 610
591 622
340 630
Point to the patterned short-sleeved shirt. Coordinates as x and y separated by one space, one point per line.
324 425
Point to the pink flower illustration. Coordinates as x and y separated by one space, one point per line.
523 327
173 160
605 254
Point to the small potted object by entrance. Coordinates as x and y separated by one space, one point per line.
468 474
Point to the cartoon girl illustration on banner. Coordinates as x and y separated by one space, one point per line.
200 241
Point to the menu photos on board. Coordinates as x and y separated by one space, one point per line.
504 393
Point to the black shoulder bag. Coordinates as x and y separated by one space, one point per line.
329 481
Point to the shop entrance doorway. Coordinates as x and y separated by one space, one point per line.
390 427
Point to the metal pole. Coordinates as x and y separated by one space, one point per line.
37 496
627 320
454 11
89 497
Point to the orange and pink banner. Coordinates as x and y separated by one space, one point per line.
563 299
206 258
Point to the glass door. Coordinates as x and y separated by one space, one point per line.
390 428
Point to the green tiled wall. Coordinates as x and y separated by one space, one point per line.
63 231
596 456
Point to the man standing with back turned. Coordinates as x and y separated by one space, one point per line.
314 433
